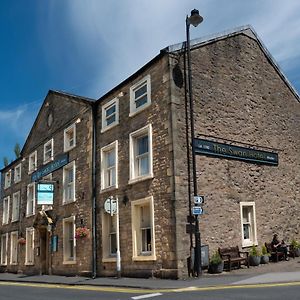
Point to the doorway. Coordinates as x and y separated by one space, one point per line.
43 251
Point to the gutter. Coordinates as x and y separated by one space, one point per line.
94 206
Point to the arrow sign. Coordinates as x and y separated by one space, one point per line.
197 210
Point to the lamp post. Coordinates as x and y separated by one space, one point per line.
195 19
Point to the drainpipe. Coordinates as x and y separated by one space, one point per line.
94 206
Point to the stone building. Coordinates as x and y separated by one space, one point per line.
58 150
132 144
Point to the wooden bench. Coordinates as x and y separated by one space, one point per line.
233 256
275 254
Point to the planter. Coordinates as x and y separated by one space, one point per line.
297 252
264 259
254 260
216 268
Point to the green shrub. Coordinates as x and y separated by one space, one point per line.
295 244
254 251
264 251
215 259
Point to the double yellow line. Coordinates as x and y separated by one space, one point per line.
145 291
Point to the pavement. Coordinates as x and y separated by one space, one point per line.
280 272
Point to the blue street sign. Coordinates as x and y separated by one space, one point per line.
197 210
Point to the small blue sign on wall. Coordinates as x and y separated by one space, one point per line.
45 193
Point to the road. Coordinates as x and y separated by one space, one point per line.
31 291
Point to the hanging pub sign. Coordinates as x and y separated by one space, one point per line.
45 193
234 152
54 165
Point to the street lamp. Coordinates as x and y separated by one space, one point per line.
195 19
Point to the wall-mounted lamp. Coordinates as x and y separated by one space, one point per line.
125 200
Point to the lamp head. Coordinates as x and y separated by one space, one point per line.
195 19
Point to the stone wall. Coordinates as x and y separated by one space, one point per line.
240 99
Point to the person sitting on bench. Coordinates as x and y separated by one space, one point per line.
280 246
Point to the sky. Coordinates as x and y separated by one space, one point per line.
86 47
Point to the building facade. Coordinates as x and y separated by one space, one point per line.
133 145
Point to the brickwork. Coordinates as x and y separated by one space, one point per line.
65 112
240 97
158 115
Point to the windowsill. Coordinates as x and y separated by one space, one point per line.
3 264
109 127
109 259
68 202
17 181
133 113
109 189
31 215
47 161
5 223
13 264
144 258
31 171
69 262
6 187
29 264
141 178
69 149
13 221
249 244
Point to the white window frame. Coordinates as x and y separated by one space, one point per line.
252 223
14 247
47 159
133 176
67 146
18 173
7 179
107 220
5 213
105 107
66 185
16 200
66 256
145 81
138 255
32 162
4 249
29 248
104 169
30 213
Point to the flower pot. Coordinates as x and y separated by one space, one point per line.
264 259
297 252
216 268
254 260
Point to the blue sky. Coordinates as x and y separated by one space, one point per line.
86 47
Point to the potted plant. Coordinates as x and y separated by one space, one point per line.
216 264
254 256
81 232
265 256
295 247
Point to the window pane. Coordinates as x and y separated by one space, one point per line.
110 120
140 91
246 229
142 145
146 239
113 243
141 101
143 165
111 110
110 159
